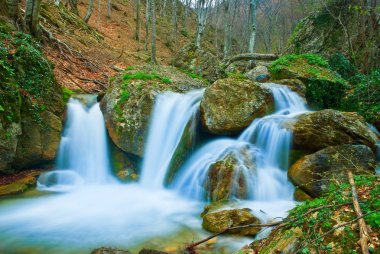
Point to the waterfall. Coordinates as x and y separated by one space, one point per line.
83 156
173 113
268 142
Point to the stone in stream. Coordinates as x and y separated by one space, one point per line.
230 105
317 130
108 250
313 172
216 222
150 251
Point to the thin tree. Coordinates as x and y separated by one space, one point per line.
253 23
147 20
89 11
109 9
74 6
138 21
202 10
174 21
32 13
153 15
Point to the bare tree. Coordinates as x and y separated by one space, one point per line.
202 9
74 6
32 13
253 23
89 11
147 20
138 21
153 15
174 21
109 9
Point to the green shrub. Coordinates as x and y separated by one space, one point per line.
339 63
364 98
287 60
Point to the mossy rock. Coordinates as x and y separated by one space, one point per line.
31 104
324 87
216 222
317 130
230 105
314 173
129 100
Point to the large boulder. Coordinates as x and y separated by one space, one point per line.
295 85
108 250
314 172
317 130
226 177
216 222
323 33
198 61
230 105
129 101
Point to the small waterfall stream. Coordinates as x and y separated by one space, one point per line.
83 156
96 210
268 143
172 113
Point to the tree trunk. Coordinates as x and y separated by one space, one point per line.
227 30
153 14
13 10
174 21
250 56
109 9
89 11
252 37
147 20
74 6
32 13
201 20
138 22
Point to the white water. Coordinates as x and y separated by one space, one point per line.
83 152
172 113
101 211
268 143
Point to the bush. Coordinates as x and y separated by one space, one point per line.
364 98
339 63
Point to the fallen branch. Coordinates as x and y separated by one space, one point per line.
279 224
363 230
250 56
95 81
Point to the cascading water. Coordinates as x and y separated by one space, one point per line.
172 114
83 156
269 143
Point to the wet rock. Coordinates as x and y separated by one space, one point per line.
20 183
317 130
230 105
295 85
129 101
300 195
313 173
150 251
216 222
258 74
200 62
226 177
108 250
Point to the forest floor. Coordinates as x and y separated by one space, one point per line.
105 43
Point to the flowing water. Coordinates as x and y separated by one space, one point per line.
266 142
94 209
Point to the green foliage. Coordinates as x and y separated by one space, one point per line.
323 94
25 71
315 224
365 97
339 63
238 76
66 93
287 60
193 75
147 76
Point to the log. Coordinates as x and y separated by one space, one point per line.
364 236
250 56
